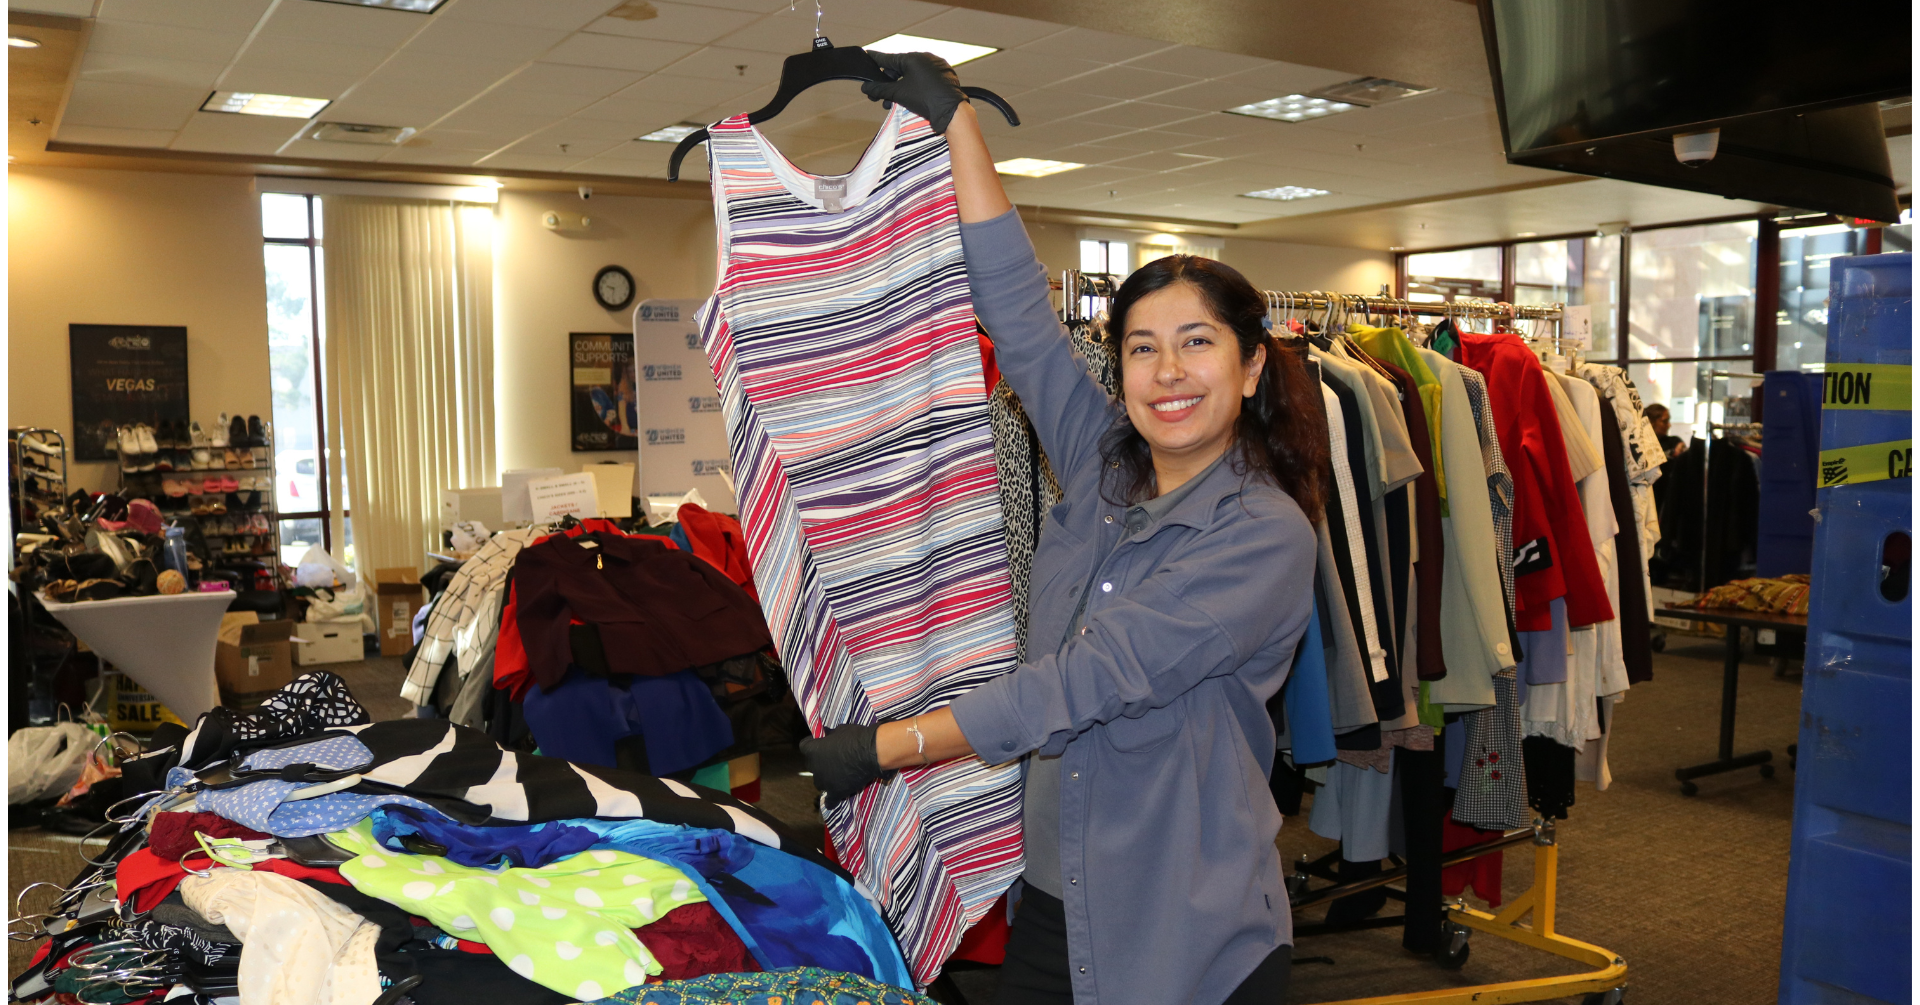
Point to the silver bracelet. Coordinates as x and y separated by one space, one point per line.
919 739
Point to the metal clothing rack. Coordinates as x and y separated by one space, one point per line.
1103 285
1528 920
1706 459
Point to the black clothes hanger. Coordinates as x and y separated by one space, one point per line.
824 62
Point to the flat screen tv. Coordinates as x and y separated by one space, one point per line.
1600 87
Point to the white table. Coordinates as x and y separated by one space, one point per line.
165 643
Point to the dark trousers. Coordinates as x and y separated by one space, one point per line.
1036 971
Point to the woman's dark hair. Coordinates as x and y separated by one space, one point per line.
1282 430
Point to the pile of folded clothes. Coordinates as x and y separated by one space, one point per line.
300 854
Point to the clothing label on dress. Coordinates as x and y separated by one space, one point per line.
1868 462
832 193
1532 557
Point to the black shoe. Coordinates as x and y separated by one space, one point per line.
237 433
256 436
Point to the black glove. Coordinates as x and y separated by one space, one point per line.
927 86
844 761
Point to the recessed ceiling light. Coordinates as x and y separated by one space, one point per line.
1034 167
359 132
1293 108
414 6
672 134
1397 247
23 42
1285 193
249 103
954 53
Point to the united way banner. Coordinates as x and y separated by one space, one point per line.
682 435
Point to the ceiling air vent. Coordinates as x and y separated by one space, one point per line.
1369 91
355 132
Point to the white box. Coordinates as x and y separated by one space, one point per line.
481 505
329 642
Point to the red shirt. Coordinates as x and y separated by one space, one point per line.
1552 554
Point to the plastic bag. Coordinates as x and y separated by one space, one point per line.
318 568
44 761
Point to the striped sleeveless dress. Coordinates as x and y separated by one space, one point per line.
841 335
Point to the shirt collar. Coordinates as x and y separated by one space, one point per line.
1194 502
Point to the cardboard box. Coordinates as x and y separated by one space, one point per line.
481 505
329 642
253 659
398 596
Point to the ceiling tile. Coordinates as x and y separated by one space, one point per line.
1020 68
379 112
662 99
194 45
512 126
1156 161
131 106
617 52
567 14
735 65
1048 104
1068 132
1135 115
608 166
266 78
463 140
586 131
783 36
649 151
282 53
411 72
1213 95
551 146
1279 79
751 6
323 150
528 162
586 81
431 155
233 14
213 132
1098 46
507 100
677 23
107 136
1125 82
124 69
484 39
1197 62
1151 139
345 24
1091 153
983 28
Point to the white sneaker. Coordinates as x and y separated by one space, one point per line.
219 438
202 457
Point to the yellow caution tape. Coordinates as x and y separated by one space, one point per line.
1880 387
1868 462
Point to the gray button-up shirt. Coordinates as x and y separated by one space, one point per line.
1157 710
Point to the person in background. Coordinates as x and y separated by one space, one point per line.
1663 421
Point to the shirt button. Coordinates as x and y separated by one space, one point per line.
1006 745
1084 629
1076 774
1109 518
1500 648
1106 587
1073 882
1083 970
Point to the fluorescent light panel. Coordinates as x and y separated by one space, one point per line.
672 134
1034 167
954 53
22 42
250 103
1285 193
1293 108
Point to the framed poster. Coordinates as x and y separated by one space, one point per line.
683 442
605 414
124 374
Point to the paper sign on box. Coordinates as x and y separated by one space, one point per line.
1576 326
554 498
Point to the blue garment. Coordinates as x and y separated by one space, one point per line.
788 911
581 718
1545 652
1309 708
679 536
263 806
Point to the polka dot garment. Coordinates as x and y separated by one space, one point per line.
567 925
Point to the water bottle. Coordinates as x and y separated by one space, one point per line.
176 550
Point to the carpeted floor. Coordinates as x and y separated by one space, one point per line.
1689 891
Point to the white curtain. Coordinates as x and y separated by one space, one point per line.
409 366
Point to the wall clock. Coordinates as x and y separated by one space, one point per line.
613 287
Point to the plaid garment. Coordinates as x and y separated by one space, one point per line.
453 613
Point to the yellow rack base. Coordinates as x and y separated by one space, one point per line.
1610 975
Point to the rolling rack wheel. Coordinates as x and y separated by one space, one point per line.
1689 789
1454 946
1614 996
1766 771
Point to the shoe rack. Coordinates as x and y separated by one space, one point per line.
226 491
37 472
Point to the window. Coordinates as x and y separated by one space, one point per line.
1450 276
1692 292
291 227
1574 271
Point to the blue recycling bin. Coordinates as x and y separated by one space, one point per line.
1848 929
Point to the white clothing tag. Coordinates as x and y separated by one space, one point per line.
832 193
589 544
